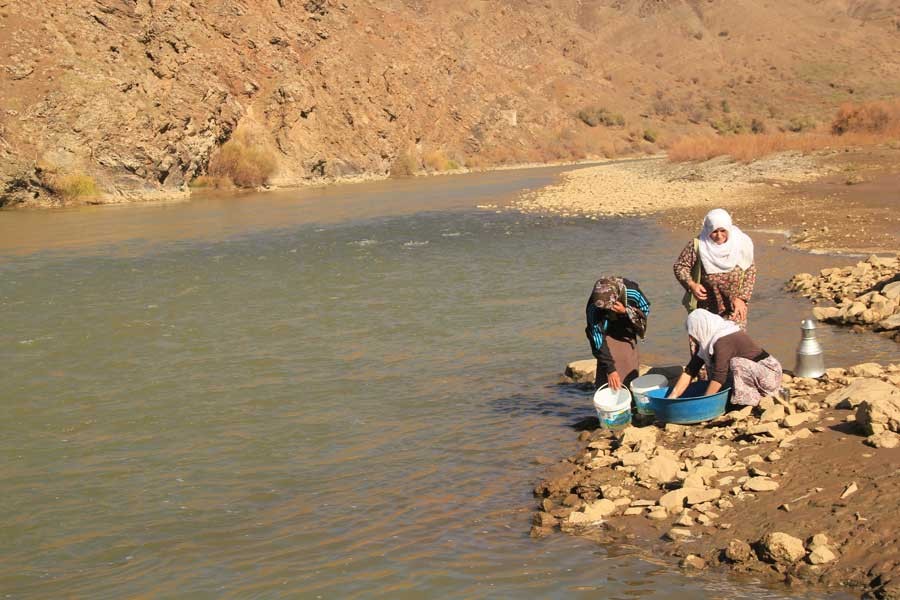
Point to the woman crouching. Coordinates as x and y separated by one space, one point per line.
731 358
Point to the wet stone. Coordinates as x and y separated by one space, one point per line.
738 551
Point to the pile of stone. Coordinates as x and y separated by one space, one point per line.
688 474
782 549
866 295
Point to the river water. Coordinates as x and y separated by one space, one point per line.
335 392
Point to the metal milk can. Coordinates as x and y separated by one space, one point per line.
810 359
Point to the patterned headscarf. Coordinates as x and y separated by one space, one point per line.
608 291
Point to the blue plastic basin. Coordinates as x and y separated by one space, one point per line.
690 408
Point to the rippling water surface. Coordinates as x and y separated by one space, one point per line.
322 393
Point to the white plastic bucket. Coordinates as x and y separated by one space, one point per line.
613 408
644 384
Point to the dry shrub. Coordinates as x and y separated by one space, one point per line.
404 165
208 181
73 186
864 124
476 162
594 116
749 147
868 117
745 147
244 160
436 160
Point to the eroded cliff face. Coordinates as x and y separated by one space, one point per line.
138 94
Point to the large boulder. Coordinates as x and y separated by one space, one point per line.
880 413
778 547
661 468
826 313
639 437
870 370
738 551
885 439
858 391
593 512
582 371
891 323
891 291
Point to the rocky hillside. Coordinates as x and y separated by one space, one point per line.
133 98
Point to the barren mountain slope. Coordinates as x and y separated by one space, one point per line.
138 94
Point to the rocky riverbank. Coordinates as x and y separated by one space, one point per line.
864 296
801 489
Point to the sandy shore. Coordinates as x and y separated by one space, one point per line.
795 491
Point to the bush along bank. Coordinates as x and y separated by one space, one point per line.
800 489
865 296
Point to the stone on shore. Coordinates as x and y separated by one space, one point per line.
885 439
776 413
692 561
778 547
796 419
819 551
643 437
859 391
673 501
582 371
821 555
865 370
633 459
658 513
593 512
880 411
891 323
661 469
760 484
826 313
678 533
738 551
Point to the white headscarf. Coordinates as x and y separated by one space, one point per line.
722 258
707 328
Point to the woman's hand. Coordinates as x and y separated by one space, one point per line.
618 307
713 388
698 290
683 380
614 381
740 309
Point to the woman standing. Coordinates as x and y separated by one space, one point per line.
732 359
717 269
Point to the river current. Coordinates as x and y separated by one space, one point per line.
343 392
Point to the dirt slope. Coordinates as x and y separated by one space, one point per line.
137 94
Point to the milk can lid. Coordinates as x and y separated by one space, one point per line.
808 324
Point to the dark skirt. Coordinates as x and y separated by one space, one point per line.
625 353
